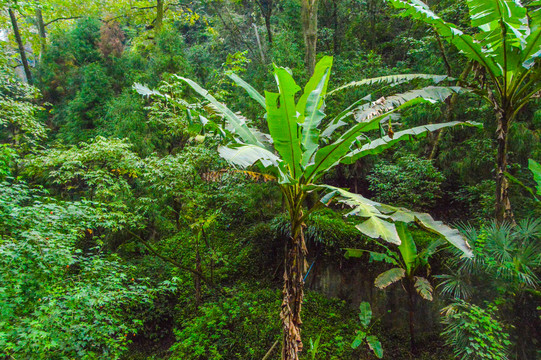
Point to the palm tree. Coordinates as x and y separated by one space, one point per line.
505 266
506 49
297 152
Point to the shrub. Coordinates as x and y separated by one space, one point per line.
411 182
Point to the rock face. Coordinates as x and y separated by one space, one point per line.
352 281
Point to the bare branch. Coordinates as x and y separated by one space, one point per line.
62 18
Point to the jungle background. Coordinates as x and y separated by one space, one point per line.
125 235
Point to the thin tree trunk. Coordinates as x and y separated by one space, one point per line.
268 26
449 110
503 204
197 279
261 52
22 52
41 31
293 293
266 11
372 13
159 16
309 30
336 37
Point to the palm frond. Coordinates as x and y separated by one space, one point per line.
393 79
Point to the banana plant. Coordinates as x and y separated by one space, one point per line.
506 49
364 335
302 146
535 168
408 262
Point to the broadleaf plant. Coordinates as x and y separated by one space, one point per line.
506 51
302 146
364 335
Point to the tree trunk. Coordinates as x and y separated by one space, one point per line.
503 205
372 14
450 104
261 52
197 278
336 37
266 11
41 31
268 26
159 16
293 293
309 30
22 52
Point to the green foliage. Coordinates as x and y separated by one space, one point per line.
7 158
508 255
314 347
101 169
241 326
153 162
411 182
475 333
380 221
410 261
19 122
61 302
364 335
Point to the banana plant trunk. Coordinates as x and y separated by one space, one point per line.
503 204
293 291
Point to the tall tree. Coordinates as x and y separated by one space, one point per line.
20 45
266 7
506 50
309 31
41 30
159 16
301 153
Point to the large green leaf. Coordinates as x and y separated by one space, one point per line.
375 345
374 256
378 228
312 119
490 15
249 89
407 247
423 287
321 70
238 124
504 29
365 313
464 42
247 155
430 94
370 108
282 121
395 214
389 277
533 42
378 145
392 79
535 168
330 155
334 153
532 52
361 335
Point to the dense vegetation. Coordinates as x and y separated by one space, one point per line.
252 179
